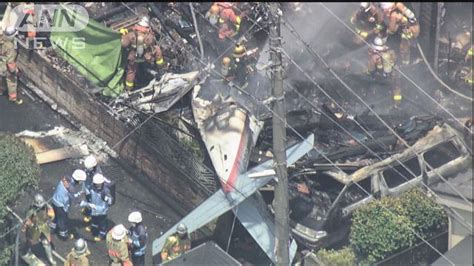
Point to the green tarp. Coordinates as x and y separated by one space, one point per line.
94 51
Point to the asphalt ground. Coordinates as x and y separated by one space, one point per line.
131 194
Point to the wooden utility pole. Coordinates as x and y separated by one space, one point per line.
279 137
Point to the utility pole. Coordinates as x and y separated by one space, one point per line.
279 137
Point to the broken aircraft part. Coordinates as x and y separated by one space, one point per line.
259 224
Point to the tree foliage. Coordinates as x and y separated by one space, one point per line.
341 257
385 227
18 170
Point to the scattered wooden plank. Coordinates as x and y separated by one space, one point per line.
71 152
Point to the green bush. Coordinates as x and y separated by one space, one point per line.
18 170
385 227
377 232
428 217
342 257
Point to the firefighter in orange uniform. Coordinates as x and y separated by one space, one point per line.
368 20
117 246
382 60
142 47
401 18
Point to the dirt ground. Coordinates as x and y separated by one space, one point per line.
131 194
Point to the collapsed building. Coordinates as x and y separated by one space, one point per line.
188 131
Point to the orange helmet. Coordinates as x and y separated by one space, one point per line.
226 61
214 9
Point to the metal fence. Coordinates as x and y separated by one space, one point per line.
176 156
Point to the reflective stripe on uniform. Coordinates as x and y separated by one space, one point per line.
407 35
397 97
160 61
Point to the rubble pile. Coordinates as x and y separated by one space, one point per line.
205 67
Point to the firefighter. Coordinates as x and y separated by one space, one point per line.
29 23
368 21
101 200
229 21
401 19
382 61
68 189
176 244
36 227
78 255
117 246
91 168
462 53
8 68
468 60
142 47
138 237
213 14
239 65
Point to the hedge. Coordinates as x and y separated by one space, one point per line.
387 226
18 171
342 257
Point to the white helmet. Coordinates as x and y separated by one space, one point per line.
79 175
387 5
182 229
80 246
39 201
144 22
379 41
135 217
119 232
364 5
90 162
10 32
98 179
379 44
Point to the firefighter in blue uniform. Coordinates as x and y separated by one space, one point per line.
91 168
101 200
138 237
68 189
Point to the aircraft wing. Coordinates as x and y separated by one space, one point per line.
259 222
221 202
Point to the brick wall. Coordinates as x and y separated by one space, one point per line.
85 109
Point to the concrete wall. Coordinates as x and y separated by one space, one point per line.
85 109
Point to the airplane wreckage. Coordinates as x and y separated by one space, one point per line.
236 134
322 198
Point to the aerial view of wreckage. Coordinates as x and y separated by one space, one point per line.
339 156
370 161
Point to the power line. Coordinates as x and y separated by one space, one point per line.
317 150
462 221
293 31
398 70
387 126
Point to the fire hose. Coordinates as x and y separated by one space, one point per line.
438 79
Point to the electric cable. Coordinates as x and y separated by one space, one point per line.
311 50
317 150
398 70
438 79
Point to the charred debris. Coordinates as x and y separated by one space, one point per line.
316 189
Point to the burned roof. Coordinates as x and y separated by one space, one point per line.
208 253
462 182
